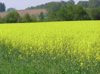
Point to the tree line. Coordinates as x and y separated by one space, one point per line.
65 13
58 11
76 12
86 4
14 17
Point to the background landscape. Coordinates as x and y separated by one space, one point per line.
53 11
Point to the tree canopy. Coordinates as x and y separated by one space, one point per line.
42 6
2 7
53 6
12 17
96 13
94 3
70 2
26 18
83 3
11 9
41 15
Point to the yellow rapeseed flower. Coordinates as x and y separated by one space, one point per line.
20 56
81 64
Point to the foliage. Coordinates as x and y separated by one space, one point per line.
94 3
83 3
41 16
20 20
70 2
53 6
3 19
40 19
62 14
26 18
0 19
12 17
45 16
58 11
52 16
33 18
42 6
63 3
70 13
11 9
96 13
65 13
50 48
80 13
2 7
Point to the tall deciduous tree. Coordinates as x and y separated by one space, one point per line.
96 13
83 3
33 18
65 13
70 14
62 14
94 3
70 2
26 18
52 16
12 17
63 3
41 15
53 6
80 13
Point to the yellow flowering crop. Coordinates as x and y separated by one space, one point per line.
69 43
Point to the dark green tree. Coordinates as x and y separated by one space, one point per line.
33 18
12 17
62 14
70 2
40 19
20 20
80 13
41 16
4 19
65 13
42 6
63 3
52 16
2 7
83 3
70 14
95 13
53 6
26 18
94 3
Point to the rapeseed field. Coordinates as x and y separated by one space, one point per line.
71 47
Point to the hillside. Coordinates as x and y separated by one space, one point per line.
36 12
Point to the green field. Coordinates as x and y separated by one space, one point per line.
71 47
